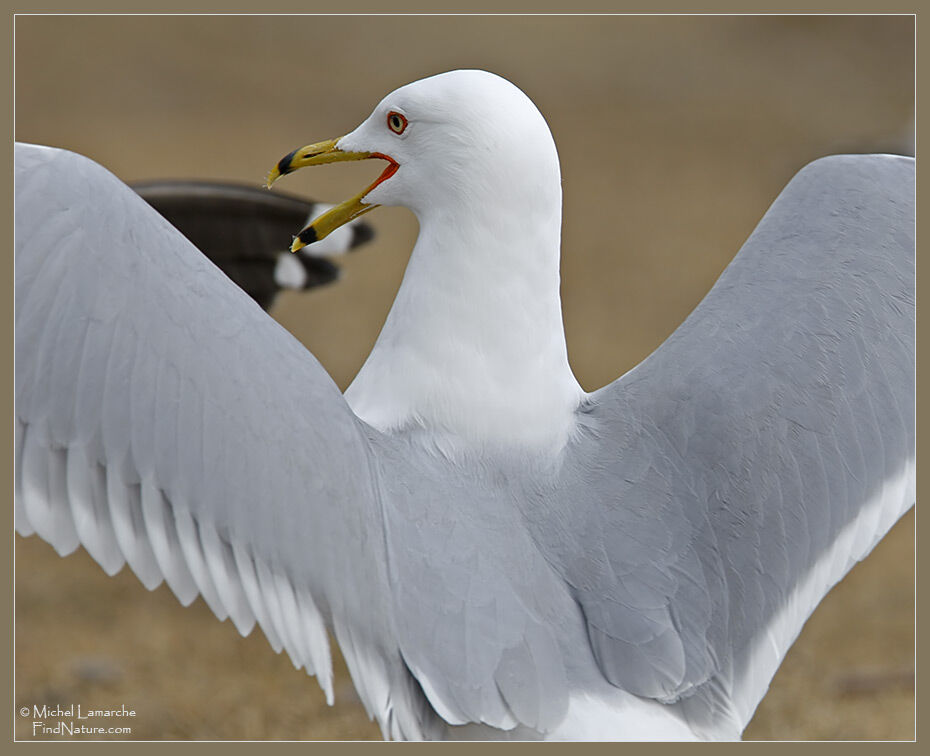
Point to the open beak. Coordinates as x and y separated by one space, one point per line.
320 154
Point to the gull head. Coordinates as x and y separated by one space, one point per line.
454 141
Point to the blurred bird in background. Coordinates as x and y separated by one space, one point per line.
247 233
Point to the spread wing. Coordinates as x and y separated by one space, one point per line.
246 232
747 464
164 421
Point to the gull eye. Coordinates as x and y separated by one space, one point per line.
396 122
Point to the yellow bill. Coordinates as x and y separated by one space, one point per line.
320 154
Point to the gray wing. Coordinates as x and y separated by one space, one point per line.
247 231
165 421
747 464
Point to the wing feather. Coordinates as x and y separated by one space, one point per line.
221 562
257 601
161 533
125 504
194 556
20 519
87 491
45 478
316 641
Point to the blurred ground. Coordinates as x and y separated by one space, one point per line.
675 134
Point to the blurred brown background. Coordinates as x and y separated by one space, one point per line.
675 134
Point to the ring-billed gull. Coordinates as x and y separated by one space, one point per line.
498 553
